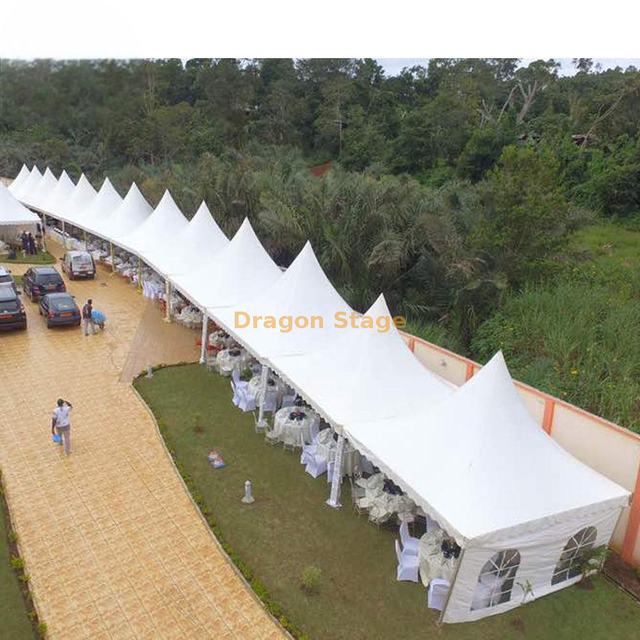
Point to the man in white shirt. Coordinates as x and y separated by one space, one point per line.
61 423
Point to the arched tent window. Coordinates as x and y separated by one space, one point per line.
570 562
496 580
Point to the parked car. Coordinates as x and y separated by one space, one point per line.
12 313
59 309
38 281
78 264
6 279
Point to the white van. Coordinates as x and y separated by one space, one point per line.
78 264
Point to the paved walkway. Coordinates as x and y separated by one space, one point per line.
114 546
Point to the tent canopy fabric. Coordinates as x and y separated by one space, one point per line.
199 240
304 290
101 207
127 216
365 375
481 465
43 191
59 196
242 270
78 202
21 178
13 212
29 186
158 232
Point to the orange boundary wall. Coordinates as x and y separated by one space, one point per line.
632 533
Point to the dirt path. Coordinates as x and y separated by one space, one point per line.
113 544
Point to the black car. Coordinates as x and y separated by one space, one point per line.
12 313
59 309
39 281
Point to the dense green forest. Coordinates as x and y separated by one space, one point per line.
455 189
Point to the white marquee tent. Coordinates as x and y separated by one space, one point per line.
14 216
28 186
200 240
100 207
481 466
20 179
59 196
240 271
43 190
127 216
157 233
82 196
364 375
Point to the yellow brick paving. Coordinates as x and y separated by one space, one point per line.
113 544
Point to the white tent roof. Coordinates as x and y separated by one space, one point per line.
481 465
13 212
129 214
58 197
158 232
304 290
29 186
43 190
365 375
21 178
101 207
80 199
201 240
242 270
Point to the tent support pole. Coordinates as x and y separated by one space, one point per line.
113 264
336 478
139 275
64 236
264 377
203 348
167 294
84 233
453 582
44 231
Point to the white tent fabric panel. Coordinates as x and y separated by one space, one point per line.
504 475
78 202
303 291
127 216
539 553
59 196
200 240
241 271
29 186
21 178
365 375
101 207
158 232
42 192
13 212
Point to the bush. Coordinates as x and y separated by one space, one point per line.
311 577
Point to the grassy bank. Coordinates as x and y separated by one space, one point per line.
289 527
44 257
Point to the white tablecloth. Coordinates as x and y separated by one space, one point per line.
433 564
292 430
220 340
326 448
254 388
226 363
381 504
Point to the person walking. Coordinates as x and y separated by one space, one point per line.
25 242
87 318
61 424
32 244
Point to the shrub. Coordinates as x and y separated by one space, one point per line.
311 577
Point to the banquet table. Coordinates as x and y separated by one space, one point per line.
381 504
220 340
226 362
432 562
254 388
326 448
291 430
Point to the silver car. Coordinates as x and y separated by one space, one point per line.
78 264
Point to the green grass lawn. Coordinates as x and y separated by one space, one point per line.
14 619
44 257
610 244
290 527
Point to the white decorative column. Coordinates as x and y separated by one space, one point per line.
167 293
336 478
264 377
203 348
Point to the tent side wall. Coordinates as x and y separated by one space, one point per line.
11 232
540 551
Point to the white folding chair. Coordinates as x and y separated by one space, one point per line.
407 565
410 545
437 595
